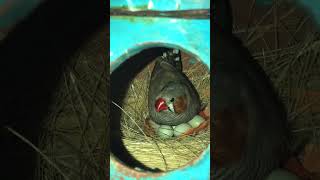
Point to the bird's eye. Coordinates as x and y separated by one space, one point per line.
172 99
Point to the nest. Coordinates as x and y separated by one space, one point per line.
284 41
74 143
153 151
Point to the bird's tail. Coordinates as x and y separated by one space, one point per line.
173 57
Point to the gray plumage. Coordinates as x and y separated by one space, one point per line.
169 82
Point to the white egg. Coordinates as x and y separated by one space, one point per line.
165 131
196 121
181 128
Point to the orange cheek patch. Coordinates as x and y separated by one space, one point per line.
180 104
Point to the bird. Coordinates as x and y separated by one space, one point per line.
172 98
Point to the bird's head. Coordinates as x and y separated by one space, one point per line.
176 105
172 98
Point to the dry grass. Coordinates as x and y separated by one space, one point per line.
74 136
287 45
152 151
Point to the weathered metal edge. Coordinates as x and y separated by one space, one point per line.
187 14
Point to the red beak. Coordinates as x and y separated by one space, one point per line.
161 105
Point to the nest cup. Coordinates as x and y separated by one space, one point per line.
129 110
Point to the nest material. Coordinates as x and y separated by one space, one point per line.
154 152
75 133
286 43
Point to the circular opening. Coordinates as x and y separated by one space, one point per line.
134 139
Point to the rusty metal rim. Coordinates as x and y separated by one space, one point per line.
185 14
121 167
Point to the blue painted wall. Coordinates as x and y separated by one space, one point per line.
130 35
160 5
312 7
140 33
11 11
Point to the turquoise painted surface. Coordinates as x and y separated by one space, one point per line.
138 33
11 11
312 7
197 171
161 5
130 35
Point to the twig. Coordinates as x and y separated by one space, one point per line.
250 14
80 124
79 95
130 118
38 151
305 129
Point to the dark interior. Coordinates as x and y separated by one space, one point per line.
120 79
32 56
